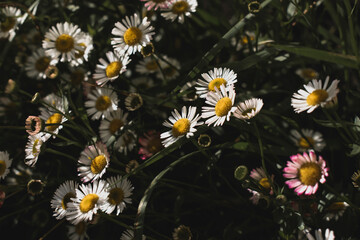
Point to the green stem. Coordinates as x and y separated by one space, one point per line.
60 153
334 124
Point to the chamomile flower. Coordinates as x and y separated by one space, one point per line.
169 68
131 34
126 142
62 196
178 9
305 172
37 64
181 125
32 149
64 41
93 161
259 176
221 106
307 73
120 190
53 120
5 163
9 25
315 95
109 71
86 45
78 231
215 78
309 139
111 125
89 199
155 4
101 102
147 65
335 210
248 109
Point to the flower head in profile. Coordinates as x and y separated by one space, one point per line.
307 73
335 210
305 172
221 106
215 78
5 163
249 108
53 120
10 24
181 125
101 102
62 196
32 148
131 34
178 9
309 139
150 144
315 95
260 177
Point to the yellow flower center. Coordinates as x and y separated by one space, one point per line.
102 103
8 24
66 199
42 64
116 196
88 202
132 36
34 150
304 143
336 207
180 7
217 82
115 125
247 111
244 40
181 127
309 173
316 97
152 65
98 164
264 182
308 73
113 69
80 228
54 119
80 53
223 106
64 43
77 77
2 167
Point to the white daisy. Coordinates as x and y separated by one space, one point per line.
169 68
111 125
179 9
89 199
215 78
93 161
181 125
132 34
5 163
147 65
53 120
221 106
129 235
310 140
101 102
86 45
120 189
9 25
109 71
155 4
62 196
315 95
78 231
37 64
63 41
126 142
248 109
32 149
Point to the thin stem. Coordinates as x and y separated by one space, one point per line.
52 229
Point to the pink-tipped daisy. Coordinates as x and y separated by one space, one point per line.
259 175
155 4
305 172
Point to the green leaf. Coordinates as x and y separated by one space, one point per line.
327 123
240 146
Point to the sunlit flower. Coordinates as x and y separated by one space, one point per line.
78 231
5 163
155 4
109 71
32 149
307 73
89 199
248 109
259 176
62 197
37 64
150 144
178 9
329 235
169 68
120 190
131 34
215 78
101 102
335 210
93 161
315 95
10 24
53 120
111 125
86 46
221 106
307 140
305 172
126 142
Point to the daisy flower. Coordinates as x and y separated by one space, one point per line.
335 210
244 40
329 235
304 172
141 84
181 125
147 65
86 45
169 68
155 4
89 199
129 235
133 101
150 144
178 9
315 95
221 106
9 25
131 34
37 64
53 120
32 148
5 163
33 125
62 196
111 125
120 190
307 73
63 41
248 109
215 78
259 176
93 161
101 102
78 231
310 140
109 71
126 142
